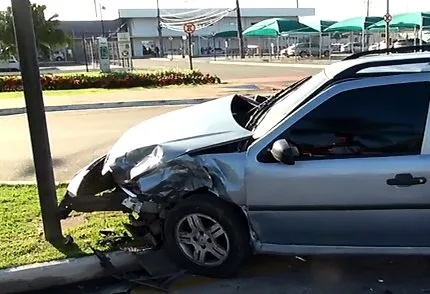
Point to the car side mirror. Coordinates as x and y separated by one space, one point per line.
282 152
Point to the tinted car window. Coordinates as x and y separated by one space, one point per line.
375 121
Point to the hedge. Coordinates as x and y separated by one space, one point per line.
113 80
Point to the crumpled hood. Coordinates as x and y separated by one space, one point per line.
187 129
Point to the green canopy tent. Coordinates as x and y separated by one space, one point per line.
226 34
355 24
319 29
413 20
324 24
276 27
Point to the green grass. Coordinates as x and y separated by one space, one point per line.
21 233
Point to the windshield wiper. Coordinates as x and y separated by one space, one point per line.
266 105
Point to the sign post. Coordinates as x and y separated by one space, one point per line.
124 46
189 29
104 55
171 47
213 37
387 18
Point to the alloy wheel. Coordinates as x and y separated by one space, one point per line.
202 240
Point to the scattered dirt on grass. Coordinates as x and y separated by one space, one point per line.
73 222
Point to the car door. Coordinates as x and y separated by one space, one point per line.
361 175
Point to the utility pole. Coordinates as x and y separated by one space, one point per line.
297 3
26 43
160 32
239 30
367 2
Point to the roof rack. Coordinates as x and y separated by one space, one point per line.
408 49
352 71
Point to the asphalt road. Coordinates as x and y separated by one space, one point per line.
314 275
230 72
76 138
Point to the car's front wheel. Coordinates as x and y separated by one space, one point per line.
207 236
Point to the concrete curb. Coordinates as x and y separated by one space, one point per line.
44 275
27 183
107 105
249 63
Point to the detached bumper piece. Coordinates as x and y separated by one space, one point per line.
109 201
158 273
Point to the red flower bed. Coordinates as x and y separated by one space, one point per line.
112 80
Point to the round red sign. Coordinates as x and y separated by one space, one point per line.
189 28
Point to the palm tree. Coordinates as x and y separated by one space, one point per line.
48 34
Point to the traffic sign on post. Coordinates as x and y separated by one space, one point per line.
124 44
189 28
388 17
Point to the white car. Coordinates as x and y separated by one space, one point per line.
377 46
10 64
58 56
351 47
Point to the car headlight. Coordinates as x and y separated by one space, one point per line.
149 163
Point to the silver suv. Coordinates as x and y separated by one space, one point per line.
336 163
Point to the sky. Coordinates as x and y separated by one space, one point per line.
324 9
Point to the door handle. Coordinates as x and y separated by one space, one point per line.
406 180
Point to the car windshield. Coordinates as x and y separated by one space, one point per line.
285 106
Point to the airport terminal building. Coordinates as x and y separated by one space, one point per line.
142 27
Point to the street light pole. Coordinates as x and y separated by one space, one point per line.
160 30
26 43
239 30
101 19
387 26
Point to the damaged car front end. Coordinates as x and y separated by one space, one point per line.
164 160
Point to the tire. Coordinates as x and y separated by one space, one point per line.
235 238
303 54
59 58
326 53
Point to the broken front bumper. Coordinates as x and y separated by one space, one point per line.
84 192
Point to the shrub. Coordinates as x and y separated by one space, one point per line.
113 80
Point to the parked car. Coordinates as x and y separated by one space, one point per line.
218 51
351 47
58 56
305 49
10 64
336 163
408 42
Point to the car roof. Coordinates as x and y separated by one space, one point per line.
337 68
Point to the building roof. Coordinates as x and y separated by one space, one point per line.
245 12
90 27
